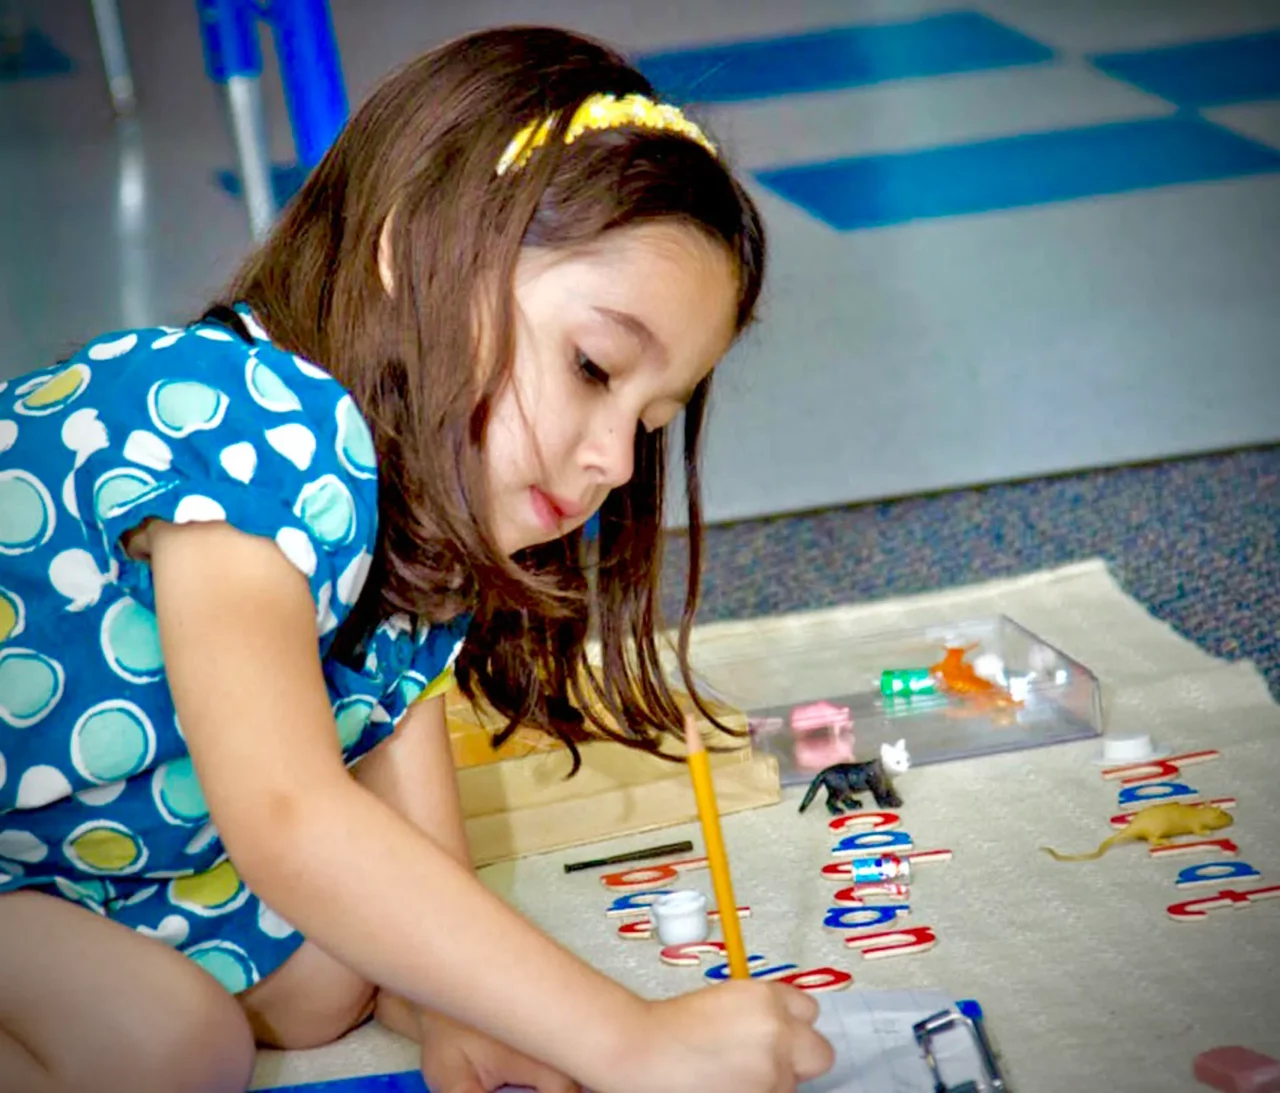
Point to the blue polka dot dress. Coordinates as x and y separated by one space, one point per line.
99 803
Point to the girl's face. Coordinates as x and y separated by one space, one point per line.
609 338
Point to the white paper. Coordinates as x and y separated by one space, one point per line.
876 1051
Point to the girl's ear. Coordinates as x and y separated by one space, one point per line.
385 270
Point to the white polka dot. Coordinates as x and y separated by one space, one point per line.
271 923
326 620
167 339
240 461
148 449
22 846
84 434
196 509
298 548
295 442
100 795
202 838
252 325
4 770
75 575
353 577
140 896
173 930
104 351
69 501
41 786
310 370
213 333
8 434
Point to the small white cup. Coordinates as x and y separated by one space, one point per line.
1121 748
681 917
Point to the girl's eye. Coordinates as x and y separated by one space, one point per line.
591 371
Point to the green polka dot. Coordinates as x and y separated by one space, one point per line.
328 509
116 489
182 407
355 443
30 686
131 642
12 615
27 516
410 687
216 891
177 793
268 389
228 964
58 391
111 741
104 846
352 715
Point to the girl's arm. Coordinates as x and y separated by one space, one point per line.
413 772
238 631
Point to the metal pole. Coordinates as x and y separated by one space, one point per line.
249 130
229 32
115 57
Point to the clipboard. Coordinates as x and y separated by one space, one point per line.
905 1041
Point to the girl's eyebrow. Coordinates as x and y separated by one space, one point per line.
637 328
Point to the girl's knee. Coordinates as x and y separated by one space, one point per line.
309 1001
207 1044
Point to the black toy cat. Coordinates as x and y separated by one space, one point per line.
844 780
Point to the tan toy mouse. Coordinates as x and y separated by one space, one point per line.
1158 825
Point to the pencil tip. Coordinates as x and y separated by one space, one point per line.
692 738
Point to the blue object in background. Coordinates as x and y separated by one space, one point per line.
410 1081
286 180
1198 75
229 37
843 57
1031 169
311 71
32 56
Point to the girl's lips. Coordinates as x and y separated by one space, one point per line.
552 511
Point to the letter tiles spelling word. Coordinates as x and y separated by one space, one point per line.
1145 784
642 888
877 864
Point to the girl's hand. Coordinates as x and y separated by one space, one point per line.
457 1059
736 1037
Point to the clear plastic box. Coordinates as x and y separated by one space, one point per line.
1042 696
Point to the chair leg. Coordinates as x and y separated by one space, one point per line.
115 57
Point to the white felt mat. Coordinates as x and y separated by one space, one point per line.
1086 981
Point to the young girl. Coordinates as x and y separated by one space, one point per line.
468 334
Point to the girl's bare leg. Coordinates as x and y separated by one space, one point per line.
89 1005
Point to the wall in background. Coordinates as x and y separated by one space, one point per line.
1008 238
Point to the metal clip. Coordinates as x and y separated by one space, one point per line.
967 1015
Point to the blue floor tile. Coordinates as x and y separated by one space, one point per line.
1203 74
30 56
841 57
1031 169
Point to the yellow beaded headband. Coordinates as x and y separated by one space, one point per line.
603 112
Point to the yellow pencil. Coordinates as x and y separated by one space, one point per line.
704 793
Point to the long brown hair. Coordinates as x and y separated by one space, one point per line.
425 361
